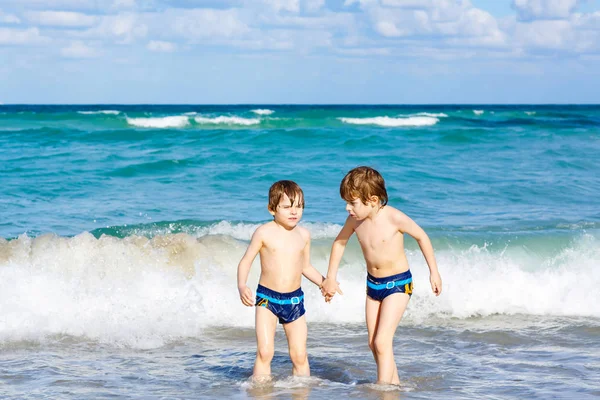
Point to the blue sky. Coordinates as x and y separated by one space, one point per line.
299 51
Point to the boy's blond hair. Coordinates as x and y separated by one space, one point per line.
289 188
363 183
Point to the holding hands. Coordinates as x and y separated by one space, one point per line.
329 287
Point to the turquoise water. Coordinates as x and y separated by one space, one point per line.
121 228
68 169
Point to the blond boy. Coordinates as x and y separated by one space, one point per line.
380 230
284 249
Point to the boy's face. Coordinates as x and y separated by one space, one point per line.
358 210
286 213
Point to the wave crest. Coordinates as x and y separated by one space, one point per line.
227 120
264 111
107 112
435 115
160 122
392 122
143 292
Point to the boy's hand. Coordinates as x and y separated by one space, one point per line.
436 283
329 288
327 297
246 296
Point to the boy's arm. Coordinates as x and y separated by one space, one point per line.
330 285
244 268
308 270
313 275
407 225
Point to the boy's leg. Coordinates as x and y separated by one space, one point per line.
266 323
372 308
390 313
297 333
372 318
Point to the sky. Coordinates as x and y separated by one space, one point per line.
299 51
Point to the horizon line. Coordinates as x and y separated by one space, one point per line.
299 104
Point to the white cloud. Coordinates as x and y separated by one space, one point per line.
284 40
366 52
78 49
375 27
448 20
589 21
528 10
284 5
326 20
578 34
8 18
21 36
55 4
120 4
389 29
544 34
160 46
206 23
265 42
294 6
60 19
171 25
124 28
410 4
99 6
128 27
361 2
313 5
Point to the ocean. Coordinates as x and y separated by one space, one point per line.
121 227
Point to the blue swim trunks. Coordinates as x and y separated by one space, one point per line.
288 307
380 288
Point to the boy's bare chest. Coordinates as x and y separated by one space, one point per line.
287 244
374 237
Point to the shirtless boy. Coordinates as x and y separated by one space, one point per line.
380 230
284 249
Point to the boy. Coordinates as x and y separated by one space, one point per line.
284 249
380 230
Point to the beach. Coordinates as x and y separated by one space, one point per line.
121 227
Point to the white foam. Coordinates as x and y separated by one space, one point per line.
244 231
227 120
478 112
145 293
240 231
263 111
392 122
434 115
132 292
530 112
160 122
107 112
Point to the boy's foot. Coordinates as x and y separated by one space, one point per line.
261 380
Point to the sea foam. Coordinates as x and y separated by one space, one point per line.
146 292
160 122
263 111
107 112
435 115
227 120
392 122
